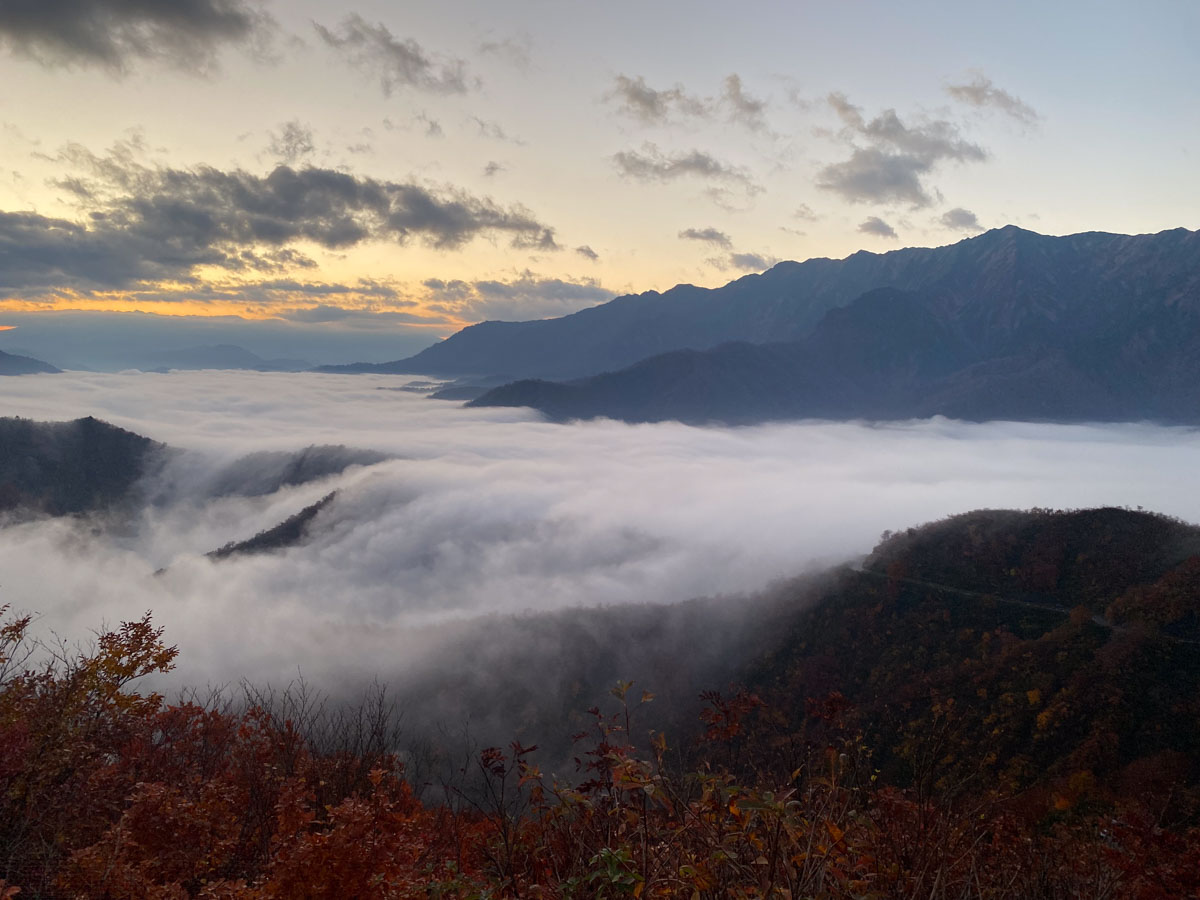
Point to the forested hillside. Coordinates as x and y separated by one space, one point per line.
998 705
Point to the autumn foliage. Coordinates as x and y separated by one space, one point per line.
109 793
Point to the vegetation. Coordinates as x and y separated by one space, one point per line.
62 468
1029 732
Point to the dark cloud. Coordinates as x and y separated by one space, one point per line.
889 160
751 262
292 142
877 227
706 235
960 220
981 92
587 253
146 224
398 63
651 164
113 34
528 296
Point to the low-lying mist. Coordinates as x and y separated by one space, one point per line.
462 544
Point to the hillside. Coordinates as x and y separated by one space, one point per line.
11 364
58 468
986 652
288 533
956 718
999 289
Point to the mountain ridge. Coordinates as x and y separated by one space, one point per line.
785 303
1097 327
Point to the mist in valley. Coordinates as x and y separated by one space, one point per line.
496 571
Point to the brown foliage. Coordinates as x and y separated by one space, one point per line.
106 793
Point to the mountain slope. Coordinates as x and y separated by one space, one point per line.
11 364
1001 284
288 533
59 468
1032 348
977 651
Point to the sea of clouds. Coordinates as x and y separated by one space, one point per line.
481 513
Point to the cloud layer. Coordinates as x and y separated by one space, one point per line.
490 512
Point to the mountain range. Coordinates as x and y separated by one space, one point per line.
222 356
1010 324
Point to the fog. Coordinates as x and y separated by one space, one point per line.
474 514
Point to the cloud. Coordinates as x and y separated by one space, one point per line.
494 132
323 313
652 106
516 51
398 63
492 169
960 220
114 34
982 93
528 296
431 126
889 160
488 513
707 235
638 100
877 227
587 253
651 164
755 262
153 223
805 213
292 142
744 108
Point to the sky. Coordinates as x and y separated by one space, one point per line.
483 514
337 182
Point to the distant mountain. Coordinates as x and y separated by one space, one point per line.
223 356
1090 327
1008 277
11 364
59 468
